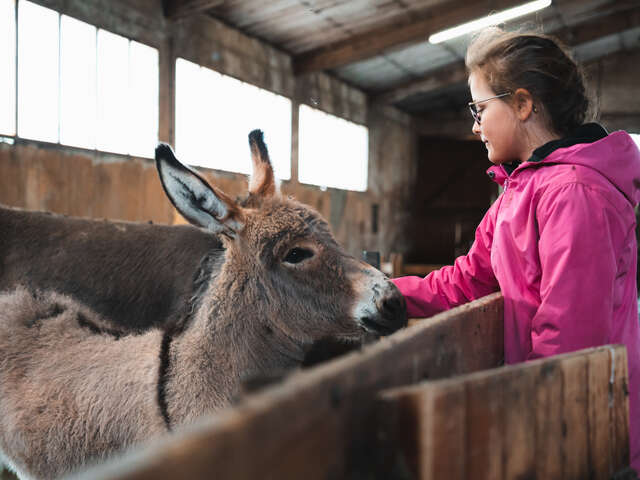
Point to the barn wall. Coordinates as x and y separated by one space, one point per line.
614 80
42 176
454 195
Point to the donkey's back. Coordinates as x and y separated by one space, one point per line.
138 275
65 401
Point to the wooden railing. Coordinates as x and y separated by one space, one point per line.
561 417
394 266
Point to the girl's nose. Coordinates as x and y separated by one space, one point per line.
475 128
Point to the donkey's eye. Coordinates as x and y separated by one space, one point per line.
296 255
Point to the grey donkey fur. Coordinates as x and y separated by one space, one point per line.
74 393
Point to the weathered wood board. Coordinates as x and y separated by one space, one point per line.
320 423
560 417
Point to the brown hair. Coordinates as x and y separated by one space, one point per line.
538 63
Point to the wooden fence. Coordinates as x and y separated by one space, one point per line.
340 420
560 417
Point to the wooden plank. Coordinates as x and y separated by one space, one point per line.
174 9
575 417
619 409
443 420
421 269
486 445
531 420
548 412
449 75
381 39
598 439
432 430
320 420
519 421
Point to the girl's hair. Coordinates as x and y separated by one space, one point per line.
538 63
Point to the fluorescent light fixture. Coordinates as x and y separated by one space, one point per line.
489 20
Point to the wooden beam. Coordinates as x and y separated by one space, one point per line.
174 9
456 73
576 35
602 26
381 39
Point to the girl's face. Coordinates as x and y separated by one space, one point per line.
499 127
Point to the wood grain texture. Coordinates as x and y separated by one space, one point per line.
548 418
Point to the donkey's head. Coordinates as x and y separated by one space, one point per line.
283 270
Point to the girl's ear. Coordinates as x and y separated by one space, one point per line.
199 202
523 102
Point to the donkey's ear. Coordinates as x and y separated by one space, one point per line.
199 202
262 181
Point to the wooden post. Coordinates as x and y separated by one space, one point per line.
396 265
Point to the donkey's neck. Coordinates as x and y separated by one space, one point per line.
225 344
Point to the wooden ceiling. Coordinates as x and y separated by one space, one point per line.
381 46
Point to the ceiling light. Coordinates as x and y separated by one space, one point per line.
489 20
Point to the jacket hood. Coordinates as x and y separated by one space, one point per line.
615 156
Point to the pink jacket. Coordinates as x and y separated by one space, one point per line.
560 243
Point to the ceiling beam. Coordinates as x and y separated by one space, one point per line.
452 74
174 9
602 26
585 32
377 41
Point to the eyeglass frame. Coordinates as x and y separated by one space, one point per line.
475 114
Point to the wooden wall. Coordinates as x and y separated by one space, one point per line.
450 198
80 182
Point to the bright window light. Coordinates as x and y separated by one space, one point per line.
37 72
7 67
78 123
113 87
332 152
489 20
214 115
81 86
636 138
143 99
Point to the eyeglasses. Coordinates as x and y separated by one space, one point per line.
474 111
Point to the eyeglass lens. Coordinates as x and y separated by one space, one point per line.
475 113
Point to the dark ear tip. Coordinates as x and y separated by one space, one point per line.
256 136
164 150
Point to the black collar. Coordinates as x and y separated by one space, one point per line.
587 133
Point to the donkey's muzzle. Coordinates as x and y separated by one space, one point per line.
391 312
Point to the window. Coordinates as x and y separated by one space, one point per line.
37 72
215 113
636 138
7 67
77 84
332 152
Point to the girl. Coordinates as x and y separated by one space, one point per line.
560 240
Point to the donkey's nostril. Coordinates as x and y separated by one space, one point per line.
393 309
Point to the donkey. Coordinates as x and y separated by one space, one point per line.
73 392
135 275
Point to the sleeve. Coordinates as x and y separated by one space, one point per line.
469 278
578 270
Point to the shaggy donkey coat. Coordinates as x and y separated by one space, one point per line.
73 393
135 275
